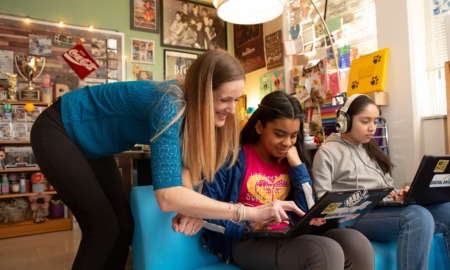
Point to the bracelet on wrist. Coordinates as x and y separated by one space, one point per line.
239 212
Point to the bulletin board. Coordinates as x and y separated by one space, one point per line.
49 40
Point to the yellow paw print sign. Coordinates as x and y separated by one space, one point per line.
368 73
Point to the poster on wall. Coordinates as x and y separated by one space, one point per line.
177 63
6 63
62 40
278 81
274 50
191 25
265 85
98 48
144 15
272 81
145 75
143 51
102 71
40 45
249 46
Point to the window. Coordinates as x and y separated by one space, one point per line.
434 98
352 25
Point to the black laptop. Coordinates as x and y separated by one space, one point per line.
431 183
336 209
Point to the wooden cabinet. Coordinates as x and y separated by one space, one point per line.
21 141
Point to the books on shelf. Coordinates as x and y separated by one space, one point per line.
328 116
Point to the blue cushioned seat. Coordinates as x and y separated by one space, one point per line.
386 256
155 245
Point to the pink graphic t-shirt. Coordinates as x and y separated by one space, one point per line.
263 182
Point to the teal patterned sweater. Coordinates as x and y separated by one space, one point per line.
104 120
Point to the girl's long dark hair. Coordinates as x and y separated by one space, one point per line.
372 148
273 106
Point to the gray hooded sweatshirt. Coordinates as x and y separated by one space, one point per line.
340 165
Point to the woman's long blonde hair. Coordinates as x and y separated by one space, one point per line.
206 148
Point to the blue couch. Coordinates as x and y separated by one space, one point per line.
155 246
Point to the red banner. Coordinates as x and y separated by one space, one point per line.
80 61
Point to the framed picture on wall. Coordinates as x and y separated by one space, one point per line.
144 15
249 38
142 51
191 25
177 63
144 75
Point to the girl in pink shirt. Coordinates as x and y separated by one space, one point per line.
273 165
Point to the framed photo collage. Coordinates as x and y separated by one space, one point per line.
184 26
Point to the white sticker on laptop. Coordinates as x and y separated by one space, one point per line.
347 218
356 198
440 180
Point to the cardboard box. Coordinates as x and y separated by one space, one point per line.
380 98
19 156
6 132
20 131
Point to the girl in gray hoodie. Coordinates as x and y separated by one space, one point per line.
351 159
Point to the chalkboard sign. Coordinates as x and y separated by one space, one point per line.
274 50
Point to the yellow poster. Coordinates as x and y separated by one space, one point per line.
368 73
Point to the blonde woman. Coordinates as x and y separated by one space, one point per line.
187 124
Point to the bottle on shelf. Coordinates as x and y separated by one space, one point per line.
22 183
5 184
13 183
14 186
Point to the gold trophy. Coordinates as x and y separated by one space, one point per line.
27 66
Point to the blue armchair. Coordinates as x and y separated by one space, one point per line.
155 245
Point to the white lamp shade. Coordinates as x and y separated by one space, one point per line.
249 11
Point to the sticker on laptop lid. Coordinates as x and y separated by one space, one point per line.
356 197
347 218
441 165
331 208
343 212
317 221
440 180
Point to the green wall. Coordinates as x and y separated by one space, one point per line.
107 15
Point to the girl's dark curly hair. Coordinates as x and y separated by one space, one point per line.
273 106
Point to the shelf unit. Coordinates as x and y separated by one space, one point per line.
28 227
20 169
23 102
381 135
